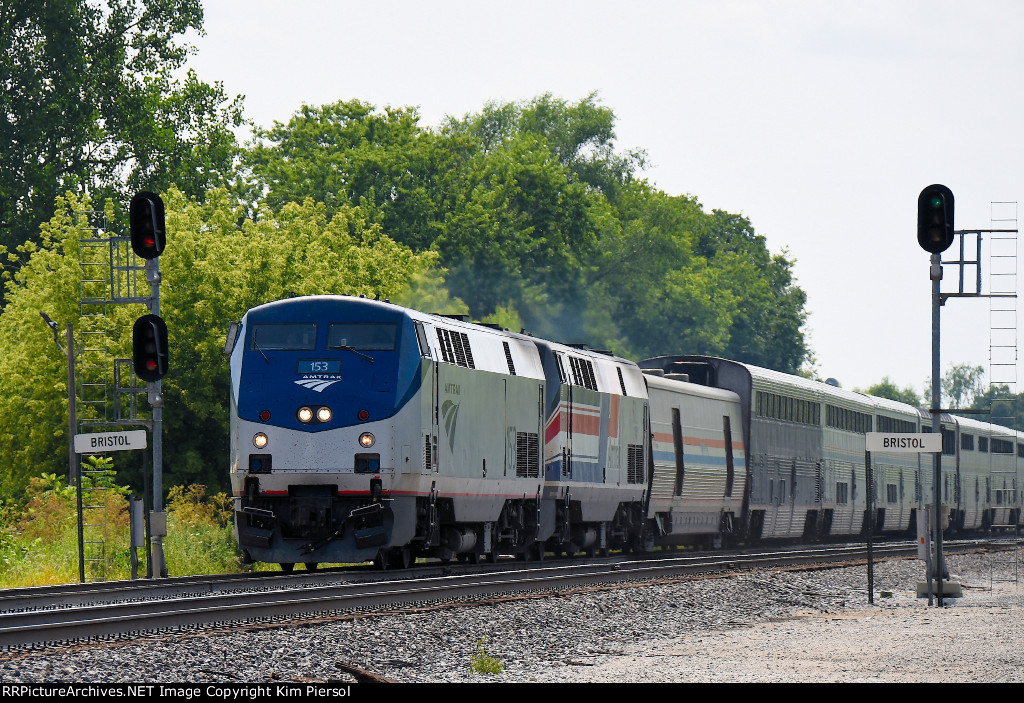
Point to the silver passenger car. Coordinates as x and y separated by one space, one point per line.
807 463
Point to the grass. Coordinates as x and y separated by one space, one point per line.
39 535
484 663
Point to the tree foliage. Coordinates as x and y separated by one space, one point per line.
962 384
33 372
887 388
533 212
1005 407
89 99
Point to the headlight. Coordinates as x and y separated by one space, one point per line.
304 414
260 440
323 414
366 440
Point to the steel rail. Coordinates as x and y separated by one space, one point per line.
77 594
140 616
94 593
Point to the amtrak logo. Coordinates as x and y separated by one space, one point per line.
450 412
316 384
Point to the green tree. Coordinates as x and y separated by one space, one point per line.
508 216
530 207
767 329
887 388
349 153
675 279
89 98
1005 408
962 384
644 268
580 136
33 372
517 221
534 213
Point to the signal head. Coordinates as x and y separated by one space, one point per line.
149 348
146 224
935 218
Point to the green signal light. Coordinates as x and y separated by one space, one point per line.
935 218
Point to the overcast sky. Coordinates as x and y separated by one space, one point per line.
819 121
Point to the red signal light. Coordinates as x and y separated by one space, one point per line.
146 224
149 348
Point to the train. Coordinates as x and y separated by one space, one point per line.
366 431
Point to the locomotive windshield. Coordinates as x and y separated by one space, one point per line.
300 336
366 336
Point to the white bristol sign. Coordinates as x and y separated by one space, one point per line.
110 441
904 443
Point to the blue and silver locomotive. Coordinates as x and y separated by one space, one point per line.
363 430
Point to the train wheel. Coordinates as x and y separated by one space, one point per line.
401 558
287 568
311 565
643 543
381 561
492 554
537 552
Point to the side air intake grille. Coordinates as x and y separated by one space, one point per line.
455 347
527 455
635 463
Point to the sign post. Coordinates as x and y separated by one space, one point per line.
913 443
98 443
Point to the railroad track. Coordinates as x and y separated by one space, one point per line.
87 611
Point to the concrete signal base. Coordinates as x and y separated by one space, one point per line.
950 589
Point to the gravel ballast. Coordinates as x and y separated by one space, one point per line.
763 626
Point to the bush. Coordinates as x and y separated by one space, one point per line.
39 536
200 533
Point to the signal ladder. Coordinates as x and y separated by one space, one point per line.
95 494
107 389
1003 475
